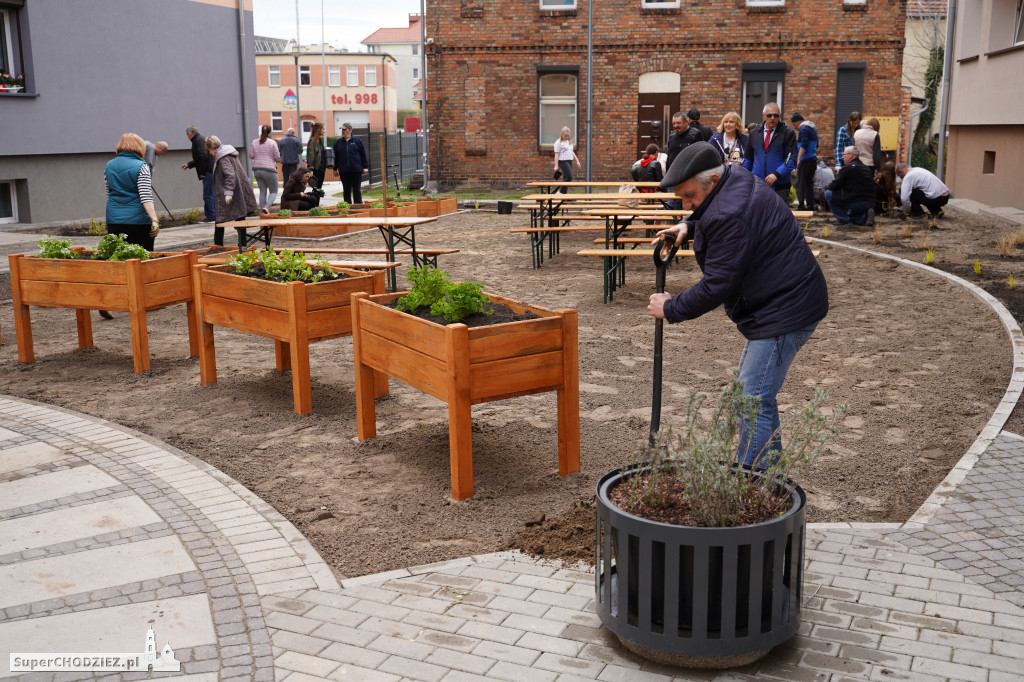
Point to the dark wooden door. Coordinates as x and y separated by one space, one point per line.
654 119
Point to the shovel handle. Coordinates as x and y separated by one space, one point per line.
664 252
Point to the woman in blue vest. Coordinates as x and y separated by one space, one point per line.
130 193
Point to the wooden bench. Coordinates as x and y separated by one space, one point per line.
363 264
539 234
614 263
647 240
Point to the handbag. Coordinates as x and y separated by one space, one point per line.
558 175
628 188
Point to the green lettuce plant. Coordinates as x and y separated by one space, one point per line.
56 248
318 212
283 266
432 287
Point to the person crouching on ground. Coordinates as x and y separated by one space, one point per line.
756 263
294 198
232 191
852 194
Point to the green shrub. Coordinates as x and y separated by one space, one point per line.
56 248
342 205
377 204
96 227
318 212
192 216
284 213
432 287
702 457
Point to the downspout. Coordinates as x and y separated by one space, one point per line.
910 147
423 94
590 86
947 68
242 61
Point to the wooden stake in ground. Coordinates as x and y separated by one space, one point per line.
383 179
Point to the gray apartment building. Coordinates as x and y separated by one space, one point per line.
96 70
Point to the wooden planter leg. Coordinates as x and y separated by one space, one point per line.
207 352
282 355
22 316
137 315
366 411
83 318
569 397
460 420
380 379
191 312
302 394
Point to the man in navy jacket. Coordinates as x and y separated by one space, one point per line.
772 162
756 263
351 163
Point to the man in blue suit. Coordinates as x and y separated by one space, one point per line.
771 152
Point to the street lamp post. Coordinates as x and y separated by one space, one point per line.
298 108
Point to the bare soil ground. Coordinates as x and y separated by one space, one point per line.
921 362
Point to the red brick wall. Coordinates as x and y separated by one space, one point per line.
482 71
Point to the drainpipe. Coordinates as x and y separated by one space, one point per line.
242 61
590 85
423 94
947 69
910 147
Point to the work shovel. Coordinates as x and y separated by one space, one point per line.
664 252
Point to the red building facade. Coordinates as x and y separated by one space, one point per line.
506 75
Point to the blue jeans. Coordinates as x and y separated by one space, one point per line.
209 207
763 367
856 213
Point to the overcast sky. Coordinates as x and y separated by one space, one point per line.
345 22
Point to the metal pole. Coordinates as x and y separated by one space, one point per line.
298 106
242 61
323 68
423 92
590 86
947 68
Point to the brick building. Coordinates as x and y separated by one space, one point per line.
508 74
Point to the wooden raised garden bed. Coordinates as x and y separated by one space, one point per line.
465 366
132 286
294 314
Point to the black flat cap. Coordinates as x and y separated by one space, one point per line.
797 116
693 115
699 156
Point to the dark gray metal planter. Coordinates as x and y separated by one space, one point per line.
698 597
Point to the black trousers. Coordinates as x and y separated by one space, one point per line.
566 168
288 169
918 199
805 184
782 191
352 182
135 234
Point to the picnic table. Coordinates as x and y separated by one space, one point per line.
394 230
549 186
550 204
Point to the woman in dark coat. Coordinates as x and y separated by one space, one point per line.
232 189
293 197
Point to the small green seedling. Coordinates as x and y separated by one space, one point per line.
192 216
824 232
1010 280
929 256
977 267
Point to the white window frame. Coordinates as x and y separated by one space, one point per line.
276 122
659 4
273 71
334 75
766 3
415 49
352 75
557 4
415 72
370 75
558 101
305 76
1018 25
14 202
855 2
778 100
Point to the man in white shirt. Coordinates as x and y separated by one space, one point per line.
921 188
